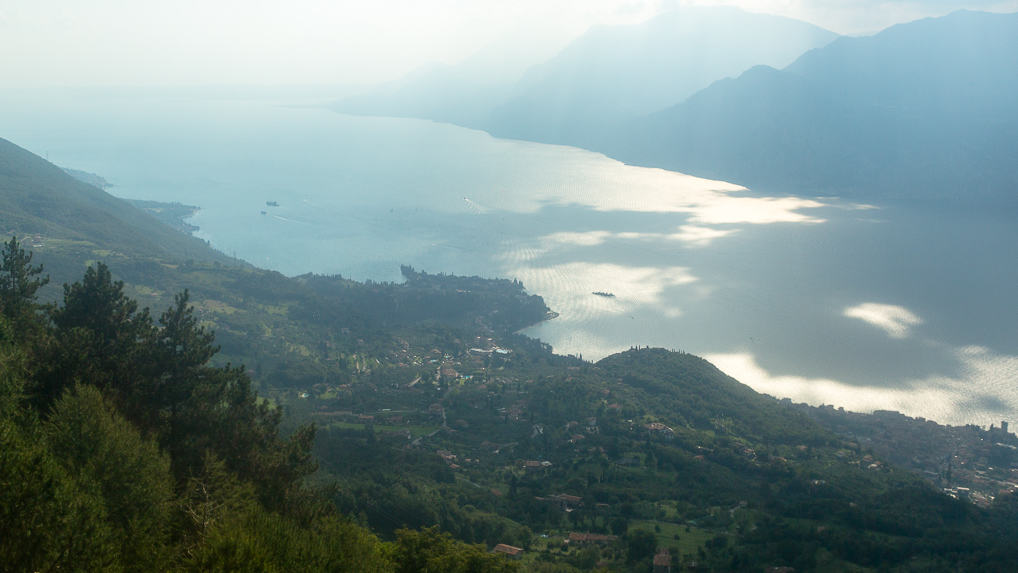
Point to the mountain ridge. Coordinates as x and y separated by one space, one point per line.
614 73
652 53
919 111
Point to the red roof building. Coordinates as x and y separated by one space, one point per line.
663 562
508 550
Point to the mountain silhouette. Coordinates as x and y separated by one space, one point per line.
921 110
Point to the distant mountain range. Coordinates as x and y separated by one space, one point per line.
611 75
920 110
463 95
607 76
924 110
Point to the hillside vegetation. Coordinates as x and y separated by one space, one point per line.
122 448
41 199
403 427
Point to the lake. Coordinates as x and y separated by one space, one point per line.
815 299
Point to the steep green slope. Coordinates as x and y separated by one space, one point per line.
123 449
69 216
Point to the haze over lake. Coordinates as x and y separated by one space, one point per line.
862 306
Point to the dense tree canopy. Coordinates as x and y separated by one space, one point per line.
122 448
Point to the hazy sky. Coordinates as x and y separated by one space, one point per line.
276 42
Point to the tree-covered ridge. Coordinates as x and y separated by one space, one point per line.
541 452
497 305
122 448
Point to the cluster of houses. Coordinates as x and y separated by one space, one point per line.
31 240
474 361
535 466
35 241
659 430
452 459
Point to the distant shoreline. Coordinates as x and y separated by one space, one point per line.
173 214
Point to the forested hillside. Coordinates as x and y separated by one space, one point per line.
121 448
406 427
41 200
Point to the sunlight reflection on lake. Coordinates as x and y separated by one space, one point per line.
865 306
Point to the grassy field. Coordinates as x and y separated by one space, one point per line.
415 430
686 539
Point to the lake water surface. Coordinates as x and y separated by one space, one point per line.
819 300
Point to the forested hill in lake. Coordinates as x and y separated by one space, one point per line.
128 444
923 110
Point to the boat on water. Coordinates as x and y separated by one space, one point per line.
604 294
272 203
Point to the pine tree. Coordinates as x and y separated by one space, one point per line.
180 353
108 456
98 304
101 339
48 521
19 283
